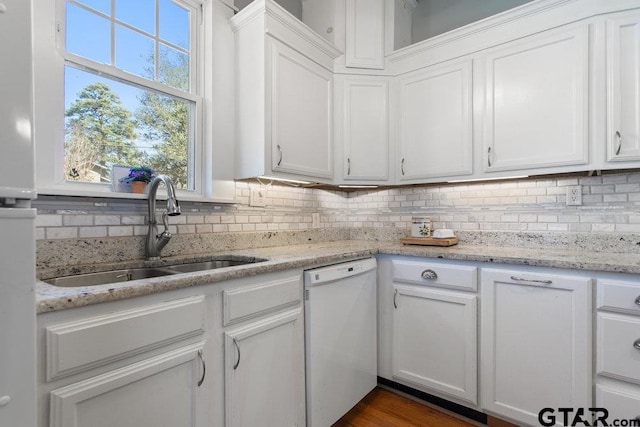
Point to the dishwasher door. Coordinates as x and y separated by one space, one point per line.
340 338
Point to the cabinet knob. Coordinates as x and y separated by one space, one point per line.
429 274
4 400
637 301
636 344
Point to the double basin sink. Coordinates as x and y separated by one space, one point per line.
128 274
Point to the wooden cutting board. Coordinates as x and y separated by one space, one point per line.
429 241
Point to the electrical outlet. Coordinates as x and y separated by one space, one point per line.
257 197
574 195
315 220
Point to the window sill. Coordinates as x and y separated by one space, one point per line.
181 195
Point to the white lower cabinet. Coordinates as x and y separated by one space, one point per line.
132 363
434 340
229 354
427 326
618 348
536 343
160 391
264 372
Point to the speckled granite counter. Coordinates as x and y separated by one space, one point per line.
52 298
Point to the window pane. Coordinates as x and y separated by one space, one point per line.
173 68
88 34
139 13
103 6
134 52
174 24
108 122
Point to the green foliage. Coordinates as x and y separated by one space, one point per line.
164 121
100 133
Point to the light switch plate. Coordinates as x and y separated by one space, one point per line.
257 198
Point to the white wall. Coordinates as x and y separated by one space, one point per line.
294 7
433 17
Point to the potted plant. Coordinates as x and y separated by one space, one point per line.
138 178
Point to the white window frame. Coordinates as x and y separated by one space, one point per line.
50 59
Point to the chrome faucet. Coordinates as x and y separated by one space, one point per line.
155 242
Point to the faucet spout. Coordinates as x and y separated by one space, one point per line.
155 242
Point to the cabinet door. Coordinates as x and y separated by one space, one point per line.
536 343
536 112
161 391
434 340
264 372
364 34
434 122
364 132
623 61
299 113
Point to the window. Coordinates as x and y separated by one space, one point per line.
131 89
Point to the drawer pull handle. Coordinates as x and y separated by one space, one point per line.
395 294
429 274
637 300
636 344
235 342
524 279
204 367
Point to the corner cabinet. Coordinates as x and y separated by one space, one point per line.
434 118
536 111
365 28
536 342
362 129
623 87
427 336
284 104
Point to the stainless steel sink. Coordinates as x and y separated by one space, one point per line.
213 264
106 277
125 275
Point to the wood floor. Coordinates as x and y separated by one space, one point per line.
382 408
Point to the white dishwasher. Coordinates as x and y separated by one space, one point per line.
340 338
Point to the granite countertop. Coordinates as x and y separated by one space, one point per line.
52 298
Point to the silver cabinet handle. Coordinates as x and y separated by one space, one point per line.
489 156
429 274
348 166
235 342
637 301
636 344
619 138
204 367
395 293
279 151
524 279
402 167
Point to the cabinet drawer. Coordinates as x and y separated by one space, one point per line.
436 274
623 297
88 343
617 355
252 301
622 403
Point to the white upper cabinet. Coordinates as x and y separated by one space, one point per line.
299 113
362 119
435 122
537 102
284 103
623 87
365 28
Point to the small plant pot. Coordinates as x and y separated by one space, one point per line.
138 187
